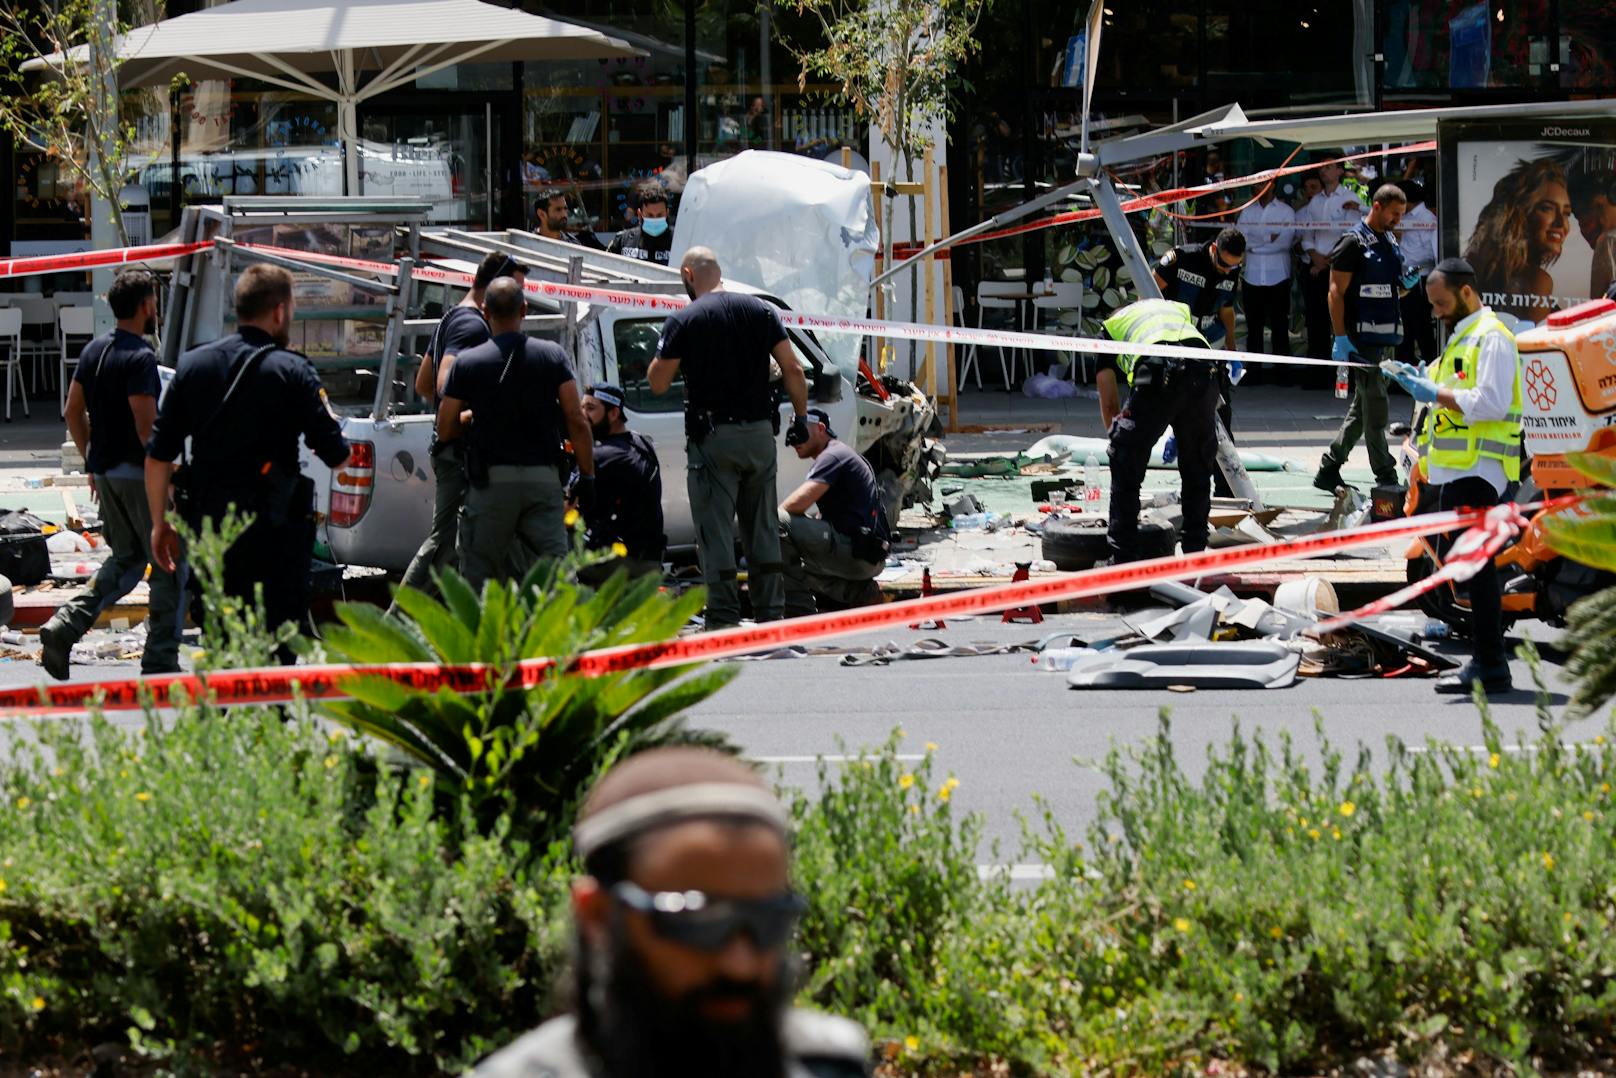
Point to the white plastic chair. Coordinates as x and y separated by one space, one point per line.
39 322
11 337
72 323
996 296
1068 296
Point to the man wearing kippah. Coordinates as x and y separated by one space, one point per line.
1470 443
832 560
684 922
627 514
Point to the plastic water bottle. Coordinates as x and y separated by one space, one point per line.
1341 375
1093 485
1049 281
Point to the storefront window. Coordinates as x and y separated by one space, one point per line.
240 139
1465 44
1587 47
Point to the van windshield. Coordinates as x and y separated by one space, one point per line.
635 340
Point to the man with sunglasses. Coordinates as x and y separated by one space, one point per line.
684 921
1205 278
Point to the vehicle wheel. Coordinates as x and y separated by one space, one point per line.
1075 543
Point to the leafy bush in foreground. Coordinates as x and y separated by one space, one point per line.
239 887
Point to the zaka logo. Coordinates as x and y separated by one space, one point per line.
1540 385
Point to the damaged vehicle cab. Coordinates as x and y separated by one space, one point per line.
364 330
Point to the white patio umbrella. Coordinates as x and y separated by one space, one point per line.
393 42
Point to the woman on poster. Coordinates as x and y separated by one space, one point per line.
1519 234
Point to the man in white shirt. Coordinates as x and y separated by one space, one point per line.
1321 222
1417 237
1269 228
1470 444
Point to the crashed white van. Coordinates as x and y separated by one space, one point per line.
363 332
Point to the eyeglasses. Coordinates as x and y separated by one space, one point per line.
1230 267
697 919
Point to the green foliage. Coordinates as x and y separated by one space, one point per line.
218 889
1287 909
1586 532
535 748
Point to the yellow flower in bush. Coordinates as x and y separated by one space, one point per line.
1588 815
1475 791
39 1003
1492 761
1277 932
1313 833
143 797
931 746
2 885
620 550
1182 924
905 781
1548 860
912 1043
24 802
1347 808
1189 885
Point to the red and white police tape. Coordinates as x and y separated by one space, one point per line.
331 681
82 260
662 303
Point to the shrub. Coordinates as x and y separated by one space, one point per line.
247 888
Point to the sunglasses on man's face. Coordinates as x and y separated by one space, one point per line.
1230 267
698 920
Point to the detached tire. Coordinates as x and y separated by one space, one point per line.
1075 543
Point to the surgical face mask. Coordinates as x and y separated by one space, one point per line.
653 226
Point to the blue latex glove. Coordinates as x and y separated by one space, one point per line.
1419 387
1410 279
1237 371
1170 450
1343 352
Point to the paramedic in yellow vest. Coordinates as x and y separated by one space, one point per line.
1470 442
1163 392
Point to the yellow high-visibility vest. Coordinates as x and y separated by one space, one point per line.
1151 321
1448 440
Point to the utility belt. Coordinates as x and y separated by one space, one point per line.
700 422
1166 373
277 496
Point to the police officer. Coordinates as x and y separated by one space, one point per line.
243 401
628 489
462 327
1206 277
1470 443
652 239
1177 393
837 555
1366 273
110 410
722 344
519 392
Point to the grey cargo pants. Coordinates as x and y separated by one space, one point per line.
511 523
819 561
126 526
730 475
449 494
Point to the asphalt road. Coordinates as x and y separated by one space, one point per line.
1009 730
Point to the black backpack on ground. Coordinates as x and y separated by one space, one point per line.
24 558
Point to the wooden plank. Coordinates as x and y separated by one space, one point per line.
952 400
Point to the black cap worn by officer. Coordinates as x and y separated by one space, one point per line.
244 401
722 343
628 482
684 922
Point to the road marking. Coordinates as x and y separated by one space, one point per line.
1509 749
829 758
1019 873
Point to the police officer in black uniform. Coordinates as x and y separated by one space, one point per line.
722 344
652 239
1206 277
627 513
243 401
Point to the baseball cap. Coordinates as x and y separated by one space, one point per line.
819 415
607 393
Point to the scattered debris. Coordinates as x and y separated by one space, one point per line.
1245 664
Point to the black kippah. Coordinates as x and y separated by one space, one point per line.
1455 267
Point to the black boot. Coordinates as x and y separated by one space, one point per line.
1495 678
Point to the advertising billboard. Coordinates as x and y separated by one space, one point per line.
1533 207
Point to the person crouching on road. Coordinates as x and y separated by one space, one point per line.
110 411
1177 393
834 558
627 514
1470 444
684 923
510 398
